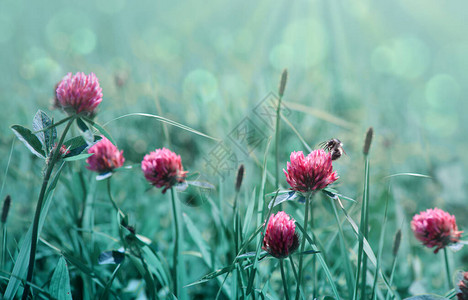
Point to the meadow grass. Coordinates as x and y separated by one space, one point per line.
195 96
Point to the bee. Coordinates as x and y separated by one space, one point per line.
333 146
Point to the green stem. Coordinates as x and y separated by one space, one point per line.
235 224
112 199
391 277
109 283
237 240
40 201
365 230
283 277
277 137
447 269
257 253
361 271
301 257
4 245
293 267
176 244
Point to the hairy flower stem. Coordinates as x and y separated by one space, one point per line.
301 257
283 277
40 202
176 252
109 192
447 269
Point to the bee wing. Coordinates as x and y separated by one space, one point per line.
324 145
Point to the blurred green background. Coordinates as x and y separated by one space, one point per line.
399 66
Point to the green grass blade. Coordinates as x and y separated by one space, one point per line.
60 282
321 114
367 249
155 265
322 261
347 263
408 174
381 245
101 129
105 293
364 229
249 213
22 260
303 141
198 239
167 121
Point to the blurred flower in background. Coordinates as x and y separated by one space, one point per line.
435 228
463 286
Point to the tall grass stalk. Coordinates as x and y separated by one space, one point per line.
344 254
176 253
5 210
363 226
260 217
381 247
237 232
284 78
396 246
301 257
257 251
40 201
4 245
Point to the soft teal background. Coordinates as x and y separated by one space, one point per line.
399 66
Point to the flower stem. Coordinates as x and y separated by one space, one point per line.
112 199
447 269
283 277
40 201
176 244
301 257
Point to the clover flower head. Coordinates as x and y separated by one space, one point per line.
313 172
79 93
106 157
435 228
280 237
163 168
